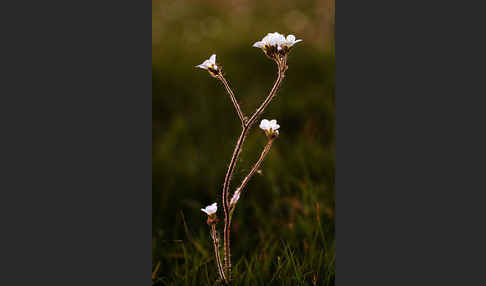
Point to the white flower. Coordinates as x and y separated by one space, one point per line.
271 39
209 64
277 41
211 209
291 40
269 127
235 198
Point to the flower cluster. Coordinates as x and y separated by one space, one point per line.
275 44
270 127
210 65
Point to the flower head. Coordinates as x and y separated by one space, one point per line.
270 127
275 44
210 65
211 209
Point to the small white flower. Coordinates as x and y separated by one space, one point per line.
211 209
235 198
271 39
291 40
269 126
277 41
209 64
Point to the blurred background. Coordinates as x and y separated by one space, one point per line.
283 227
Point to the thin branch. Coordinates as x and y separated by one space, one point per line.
281 74
255 168
215 238
229 174
282 67
240 188
233 99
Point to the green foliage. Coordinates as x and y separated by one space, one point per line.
294 248
283 226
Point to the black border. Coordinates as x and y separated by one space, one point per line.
409 175
76 186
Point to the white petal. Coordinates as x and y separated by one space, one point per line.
272 39
278 39
290 38
258 45
213 208
273 125
212 59
297 41
264 124
202 66
269 39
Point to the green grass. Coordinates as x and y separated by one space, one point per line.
294 246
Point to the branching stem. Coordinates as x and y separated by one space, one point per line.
282 67
256 166
233 99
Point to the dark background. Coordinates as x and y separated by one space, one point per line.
195 129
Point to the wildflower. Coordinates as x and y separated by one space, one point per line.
275 44
270 127
270 40
291 41
235 198
210 65
211 209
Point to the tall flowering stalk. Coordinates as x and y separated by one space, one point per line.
276 47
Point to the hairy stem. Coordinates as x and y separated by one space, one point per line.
245 181
255 168
229 173
282 67
233 99
215 238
